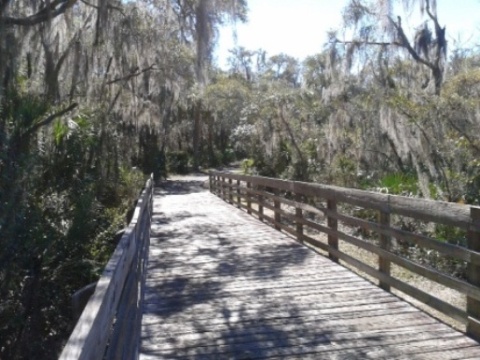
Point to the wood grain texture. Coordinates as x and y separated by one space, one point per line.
420 209
92 332
223 285
280 191
473 275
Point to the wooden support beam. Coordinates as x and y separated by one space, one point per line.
230 191
239 199
385 243
333 225
223 187
260 204
299 218
249 199
473 277
277 206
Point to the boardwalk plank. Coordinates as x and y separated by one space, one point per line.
222 285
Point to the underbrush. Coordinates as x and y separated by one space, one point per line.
60 241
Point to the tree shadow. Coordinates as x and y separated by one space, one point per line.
222 286
180 187
216 269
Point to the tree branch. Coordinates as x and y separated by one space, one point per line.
432 17
463 133
439 32
3 5
48 120
281 115
131 75
357 42
406 44
119 9
43 15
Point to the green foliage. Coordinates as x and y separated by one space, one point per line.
178 162
151 157
67 185
67 198
112 220
344 171
399 184
228 156
22 110
450 234
248 167
60 130
218 157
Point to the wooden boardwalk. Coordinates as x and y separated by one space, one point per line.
222 285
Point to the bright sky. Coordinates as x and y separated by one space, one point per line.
298 27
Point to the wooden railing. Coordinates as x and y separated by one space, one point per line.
271 194
110 323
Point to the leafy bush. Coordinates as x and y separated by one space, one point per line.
248 166
400 184
228 156
178 162
344 171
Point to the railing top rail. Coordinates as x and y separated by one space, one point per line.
422 209
255 189
90 335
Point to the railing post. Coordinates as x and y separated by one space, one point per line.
277 206
384 264
260 204
249 200
473 276
230 193
298 218
210 182
333 225
239 199
222 182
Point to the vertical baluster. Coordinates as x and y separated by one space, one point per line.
239 199
333 225
277 206
473 276
249 200
299 218
260 204
384 264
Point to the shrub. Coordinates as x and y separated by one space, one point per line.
177 162
400 184
248 166
228 156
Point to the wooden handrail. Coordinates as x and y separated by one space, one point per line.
267 193
110 323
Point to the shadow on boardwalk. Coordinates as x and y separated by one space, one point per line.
221 285
169 187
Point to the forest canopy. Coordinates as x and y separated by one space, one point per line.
95 95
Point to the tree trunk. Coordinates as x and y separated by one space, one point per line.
197 135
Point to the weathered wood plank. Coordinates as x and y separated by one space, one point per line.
473 275
222 285
455 251
421 209
91 334
418 294
383 262
446 280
